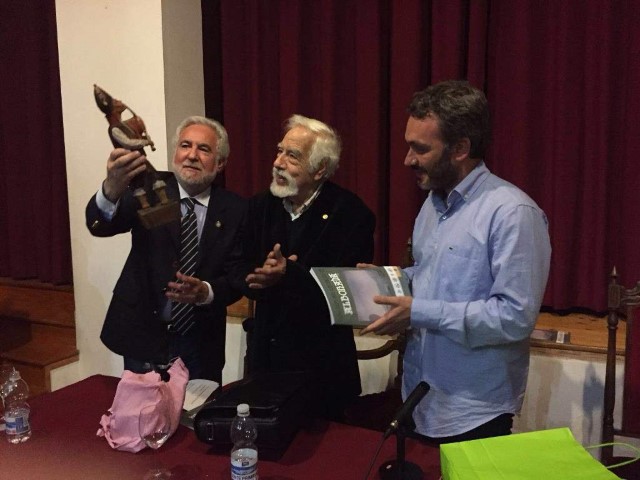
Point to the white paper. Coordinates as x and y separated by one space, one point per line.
198 391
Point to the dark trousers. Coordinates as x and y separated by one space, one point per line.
183 346
499 426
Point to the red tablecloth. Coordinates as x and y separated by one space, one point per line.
64 445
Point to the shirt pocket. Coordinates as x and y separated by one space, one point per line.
461 266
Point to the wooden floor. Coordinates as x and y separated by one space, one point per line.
588 333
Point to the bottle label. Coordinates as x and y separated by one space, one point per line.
244 464
17 424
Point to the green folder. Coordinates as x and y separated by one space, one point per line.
542 455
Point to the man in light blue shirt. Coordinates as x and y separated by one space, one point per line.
482 252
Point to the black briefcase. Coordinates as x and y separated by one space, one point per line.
280 403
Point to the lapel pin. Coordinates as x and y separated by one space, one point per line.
325 216
218 224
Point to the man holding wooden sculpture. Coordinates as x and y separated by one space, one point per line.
171 297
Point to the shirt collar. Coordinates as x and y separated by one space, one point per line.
288 206
471 182
202 197
463 190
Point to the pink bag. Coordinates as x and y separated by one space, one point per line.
135 390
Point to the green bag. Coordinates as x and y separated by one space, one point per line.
542 455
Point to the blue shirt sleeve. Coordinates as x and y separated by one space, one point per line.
107 207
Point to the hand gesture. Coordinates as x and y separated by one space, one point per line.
272 270
122 166
187 289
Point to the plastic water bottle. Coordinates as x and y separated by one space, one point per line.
6 369
244 454
16 411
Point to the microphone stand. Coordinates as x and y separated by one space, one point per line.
400 469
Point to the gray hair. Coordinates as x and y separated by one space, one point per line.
223 139
326 147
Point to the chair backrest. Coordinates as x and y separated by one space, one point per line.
621 302
381 397
395 344
243 310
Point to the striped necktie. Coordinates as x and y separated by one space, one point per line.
182 313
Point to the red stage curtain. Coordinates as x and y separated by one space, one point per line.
560 78
34 213
353 64
565 111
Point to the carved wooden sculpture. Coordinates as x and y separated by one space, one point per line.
156 208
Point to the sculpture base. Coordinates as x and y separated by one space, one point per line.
160 214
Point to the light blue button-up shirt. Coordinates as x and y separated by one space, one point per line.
481 267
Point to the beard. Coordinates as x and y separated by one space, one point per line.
283 191
442 177
195 183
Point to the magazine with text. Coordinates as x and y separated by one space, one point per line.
349 291
549 335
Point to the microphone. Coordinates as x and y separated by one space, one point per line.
406 410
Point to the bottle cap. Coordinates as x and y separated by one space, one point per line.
243 409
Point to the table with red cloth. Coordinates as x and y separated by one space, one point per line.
64 445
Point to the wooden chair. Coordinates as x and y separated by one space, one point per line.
396 344
375 411
243 311
621 303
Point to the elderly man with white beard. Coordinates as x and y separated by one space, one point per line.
304 221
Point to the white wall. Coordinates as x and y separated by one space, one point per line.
182 53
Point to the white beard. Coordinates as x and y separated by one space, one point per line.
203 181
283 191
